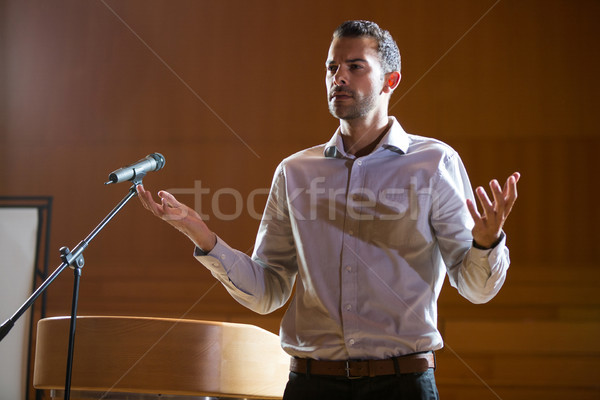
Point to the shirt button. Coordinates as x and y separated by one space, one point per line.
348 268
359 162
223 256
351 342
348 307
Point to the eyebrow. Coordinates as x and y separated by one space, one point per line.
352 60
356 60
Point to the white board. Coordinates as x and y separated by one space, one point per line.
18 230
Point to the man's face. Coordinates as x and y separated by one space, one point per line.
354 79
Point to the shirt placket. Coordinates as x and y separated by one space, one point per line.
350 260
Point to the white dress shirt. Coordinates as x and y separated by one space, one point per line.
370 239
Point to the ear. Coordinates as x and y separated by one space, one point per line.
392 81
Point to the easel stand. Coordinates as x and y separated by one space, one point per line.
75 260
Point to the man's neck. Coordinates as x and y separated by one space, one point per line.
361 136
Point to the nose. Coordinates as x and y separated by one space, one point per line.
340 78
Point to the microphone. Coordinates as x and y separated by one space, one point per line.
152 162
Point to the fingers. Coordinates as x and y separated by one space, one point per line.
169 208
179 216
473 211
146 199
512 180
485 202
168 200
504 197
498 195
489 223
510 192
496 211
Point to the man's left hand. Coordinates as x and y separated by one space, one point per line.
488 224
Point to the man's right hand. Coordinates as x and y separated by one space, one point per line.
180 216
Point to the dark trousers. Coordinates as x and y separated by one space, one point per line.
417 386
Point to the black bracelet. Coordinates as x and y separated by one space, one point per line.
202 251
496 243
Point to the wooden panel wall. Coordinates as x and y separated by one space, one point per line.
226 89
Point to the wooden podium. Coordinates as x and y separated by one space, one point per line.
152 358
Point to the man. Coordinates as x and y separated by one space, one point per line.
369 223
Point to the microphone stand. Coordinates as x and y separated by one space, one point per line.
75 260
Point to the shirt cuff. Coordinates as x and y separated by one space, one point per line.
491 258
217 259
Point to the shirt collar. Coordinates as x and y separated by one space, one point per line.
396 140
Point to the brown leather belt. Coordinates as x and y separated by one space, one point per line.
412 363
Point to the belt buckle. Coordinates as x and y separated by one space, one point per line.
348 370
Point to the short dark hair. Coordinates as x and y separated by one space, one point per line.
386 46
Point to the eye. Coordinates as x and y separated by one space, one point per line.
332 68
355 66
